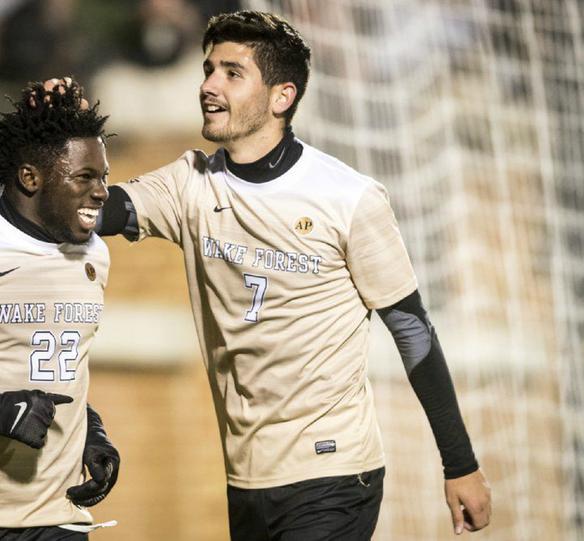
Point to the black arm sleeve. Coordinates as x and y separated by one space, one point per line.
118 215
430 378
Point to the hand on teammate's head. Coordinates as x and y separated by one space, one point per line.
60 86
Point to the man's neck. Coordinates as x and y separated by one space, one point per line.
252 147
271 165
12 215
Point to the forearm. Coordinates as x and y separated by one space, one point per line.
432 384
430 378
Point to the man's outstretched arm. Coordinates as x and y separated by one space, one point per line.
467 491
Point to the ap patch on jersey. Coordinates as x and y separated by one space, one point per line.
303 225
90 271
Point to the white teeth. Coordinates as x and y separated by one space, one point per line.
213 108
88 216
90 213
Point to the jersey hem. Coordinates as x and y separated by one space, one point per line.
347 469
86 520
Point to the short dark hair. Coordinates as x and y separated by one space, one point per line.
280 51
37 131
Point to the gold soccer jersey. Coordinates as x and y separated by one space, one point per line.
282 277
51 299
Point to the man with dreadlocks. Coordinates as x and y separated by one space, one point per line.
53 270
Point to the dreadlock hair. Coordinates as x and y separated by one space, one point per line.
280 51
37 131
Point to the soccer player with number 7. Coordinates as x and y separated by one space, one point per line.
53 270
287 251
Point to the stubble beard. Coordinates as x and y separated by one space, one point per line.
239 126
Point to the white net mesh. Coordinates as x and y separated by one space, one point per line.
472 113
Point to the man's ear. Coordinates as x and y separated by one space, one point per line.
30 179
283 96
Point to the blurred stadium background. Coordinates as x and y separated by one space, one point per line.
472 113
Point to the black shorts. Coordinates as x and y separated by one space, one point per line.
342 508
48 533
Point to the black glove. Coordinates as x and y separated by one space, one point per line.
26 415
101 459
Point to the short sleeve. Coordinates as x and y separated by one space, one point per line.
158 197
376 255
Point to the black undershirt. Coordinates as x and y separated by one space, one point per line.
273 165
11 215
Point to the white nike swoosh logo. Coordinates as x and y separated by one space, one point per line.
272 165
22 406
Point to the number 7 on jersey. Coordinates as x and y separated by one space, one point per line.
259 284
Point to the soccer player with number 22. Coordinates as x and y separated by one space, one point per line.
53 270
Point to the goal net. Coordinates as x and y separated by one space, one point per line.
471 112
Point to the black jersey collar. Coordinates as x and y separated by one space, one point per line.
11 215
271 166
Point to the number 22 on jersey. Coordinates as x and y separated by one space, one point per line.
41 367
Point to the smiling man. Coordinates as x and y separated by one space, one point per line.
53 270
287 251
